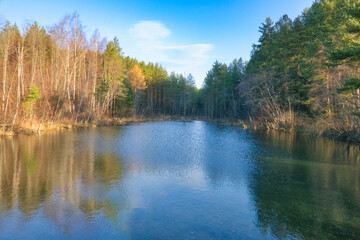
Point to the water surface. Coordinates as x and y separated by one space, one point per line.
174 180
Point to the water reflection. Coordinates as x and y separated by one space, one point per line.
307 188
178 181
60 175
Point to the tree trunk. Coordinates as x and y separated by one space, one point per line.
20 73
6 55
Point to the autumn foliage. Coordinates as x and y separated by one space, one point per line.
136 78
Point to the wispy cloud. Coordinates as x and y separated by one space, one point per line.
188 54
151 38
149 30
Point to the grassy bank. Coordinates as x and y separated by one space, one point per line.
34 127
302 126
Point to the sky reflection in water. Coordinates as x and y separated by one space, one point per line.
174 180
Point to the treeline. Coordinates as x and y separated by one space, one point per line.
219 96
57 74
303 73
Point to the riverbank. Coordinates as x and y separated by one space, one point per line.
34 127
311 129
304 128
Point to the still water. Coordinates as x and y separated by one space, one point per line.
174 180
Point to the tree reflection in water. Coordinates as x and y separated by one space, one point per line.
67 183
178 180
306 188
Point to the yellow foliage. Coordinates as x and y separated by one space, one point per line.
136 78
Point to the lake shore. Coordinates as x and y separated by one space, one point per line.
35 127
304 128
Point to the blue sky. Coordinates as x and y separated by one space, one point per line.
185 36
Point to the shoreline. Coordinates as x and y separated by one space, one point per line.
305 130
35 128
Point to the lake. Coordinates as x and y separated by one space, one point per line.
175 180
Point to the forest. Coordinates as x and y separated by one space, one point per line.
57 74
303 75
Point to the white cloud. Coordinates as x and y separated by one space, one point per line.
151 39
150 30
189 54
